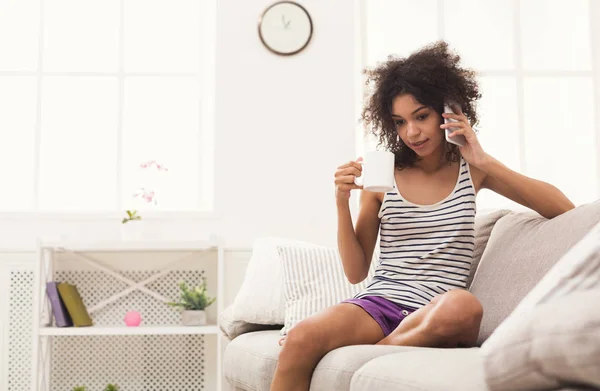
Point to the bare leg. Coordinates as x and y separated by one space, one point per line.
449 320
340 325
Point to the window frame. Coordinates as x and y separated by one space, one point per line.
518 73
206 127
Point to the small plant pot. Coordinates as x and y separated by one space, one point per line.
193 318
132 230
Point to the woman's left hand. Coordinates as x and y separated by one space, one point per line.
472 150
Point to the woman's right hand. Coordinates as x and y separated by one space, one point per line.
344 178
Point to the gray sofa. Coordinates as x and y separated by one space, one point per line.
513 251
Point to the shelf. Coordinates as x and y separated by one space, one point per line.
104 257
132 245
122 330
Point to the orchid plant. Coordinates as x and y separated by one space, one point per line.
145 194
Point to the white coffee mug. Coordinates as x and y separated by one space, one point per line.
378 172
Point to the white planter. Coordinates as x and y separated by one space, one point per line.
193 318
132 230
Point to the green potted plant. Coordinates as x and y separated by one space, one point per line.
193 300
80 388
111 387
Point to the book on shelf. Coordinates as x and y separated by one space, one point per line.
72 299
60 312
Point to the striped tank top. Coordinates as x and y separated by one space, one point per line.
425 250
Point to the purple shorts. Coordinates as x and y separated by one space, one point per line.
387 313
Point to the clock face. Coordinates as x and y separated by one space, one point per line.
285 28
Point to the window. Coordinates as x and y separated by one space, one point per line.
90 91
536 73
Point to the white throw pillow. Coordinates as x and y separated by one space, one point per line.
552 338
314 279
260 298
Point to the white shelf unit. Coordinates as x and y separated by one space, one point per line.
142 330
46 267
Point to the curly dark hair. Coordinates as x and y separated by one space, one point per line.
432 75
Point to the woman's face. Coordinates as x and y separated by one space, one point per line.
417 125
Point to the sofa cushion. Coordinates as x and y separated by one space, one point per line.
521 249
233 328
484 222
260 298
556 344
249 362
422 369
335 370
552 338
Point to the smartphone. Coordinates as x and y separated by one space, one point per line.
458 140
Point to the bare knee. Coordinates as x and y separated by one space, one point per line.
454 312
303 346
466 302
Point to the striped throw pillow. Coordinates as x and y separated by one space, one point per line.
552 337
314 279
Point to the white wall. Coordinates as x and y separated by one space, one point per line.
282 127
283 124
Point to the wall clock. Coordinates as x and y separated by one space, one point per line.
285 28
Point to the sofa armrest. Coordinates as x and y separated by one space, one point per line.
233 328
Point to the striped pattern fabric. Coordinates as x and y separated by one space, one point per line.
425 250
314 279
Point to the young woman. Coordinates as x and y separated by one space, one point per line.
418 294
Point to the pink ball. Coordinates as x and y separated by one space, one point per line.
133 319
